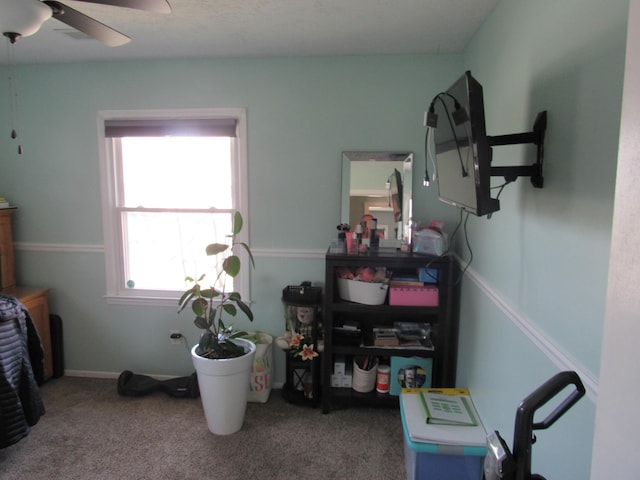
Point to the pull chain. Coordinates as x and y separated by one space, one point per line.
13 91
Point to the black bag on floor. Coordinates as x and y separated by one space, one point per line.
57 350
133 385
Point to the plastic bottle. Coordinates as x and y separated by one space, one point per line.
382 379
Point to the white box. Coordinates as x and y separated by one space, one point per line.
339 365
347 378
342 381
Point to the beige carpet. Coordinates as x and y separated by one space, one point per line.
90 432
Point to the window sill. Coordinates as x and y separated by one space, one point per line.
142 300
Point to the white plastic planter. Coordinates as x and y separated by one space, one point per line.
224 388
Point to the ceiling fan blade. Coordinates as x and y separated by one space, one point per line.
88 25
157 6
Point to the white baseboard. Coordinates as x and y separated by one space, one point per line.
115 376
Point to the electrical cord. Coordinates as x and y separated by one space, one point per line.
500 187
448 251
466 240
458 107
426 182
431 122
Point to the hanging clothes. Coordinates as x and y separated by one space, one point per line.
21 404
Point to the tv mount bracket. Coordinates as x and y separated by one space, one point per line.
536 137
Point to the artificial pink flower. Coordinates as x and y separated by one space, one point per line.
296 339
307 352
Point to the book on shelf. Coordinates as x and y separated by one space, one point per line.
419 430
385 338
389 337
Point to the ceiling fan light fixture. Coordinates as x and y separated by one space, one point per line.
24 18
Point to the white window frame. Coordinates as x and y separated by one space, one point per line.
116 292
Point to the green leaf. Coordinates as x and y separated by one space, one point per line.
237 223
200 323
208 341
216 248
199 306
245 309
231 266
230 309
209 293
248 250
184 300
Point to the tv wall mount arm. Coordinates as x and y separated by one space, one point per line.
536 137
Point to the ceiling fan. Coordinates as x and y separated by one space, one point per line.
21 18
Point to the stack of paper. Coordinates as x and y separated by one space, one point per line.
444 416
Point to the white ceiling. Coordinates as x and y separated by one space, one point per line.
261 28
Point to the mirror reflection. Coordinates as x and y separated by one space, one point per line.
378 184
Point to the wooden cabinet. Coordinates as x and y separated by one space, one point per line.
36 300
442 318
7 269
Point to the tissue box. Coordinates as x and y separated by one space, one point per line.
428 275
429 242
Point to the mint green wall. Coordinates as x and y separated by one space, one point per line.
302 113
544 257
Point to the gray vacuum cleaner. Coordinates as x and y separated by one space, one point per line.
500 463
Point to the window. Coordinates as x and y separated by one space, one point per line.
171 181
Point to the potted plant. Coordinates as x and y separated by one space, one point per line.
222 360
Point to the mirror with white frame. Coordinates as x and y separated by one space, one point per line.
378 184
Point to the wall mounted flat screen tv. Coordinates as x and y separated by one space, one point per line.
462 149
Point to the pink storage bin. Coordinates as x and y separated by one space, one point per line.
426 296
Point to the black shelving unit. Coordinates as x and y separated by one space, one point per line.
442 318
